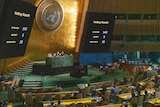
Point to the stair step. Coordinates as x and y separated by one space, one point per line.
26 69
32 83
29 82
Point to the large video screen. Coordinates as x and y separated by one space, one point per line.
16 24
97 33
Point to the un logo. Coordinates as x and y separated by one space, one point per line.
49 15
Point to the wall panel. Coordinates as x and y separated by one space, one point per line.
136 29
125 6
41 43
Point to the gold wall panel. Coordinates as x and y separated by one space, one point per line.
42 43
125 6
133 47
136 29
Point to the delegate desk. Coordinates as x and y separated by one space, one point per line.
43 94
127 96
71 101
36 89
55 65
154 102
101 83
111 105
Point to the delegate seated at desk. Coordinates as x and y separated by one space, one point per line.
59 104
3 77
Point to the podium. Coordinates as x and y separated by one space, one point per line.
60 61
60 65
55 65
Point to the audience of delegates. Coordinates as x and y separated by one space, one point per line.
115 90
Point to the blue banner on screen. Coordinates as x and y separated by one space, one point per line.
94 58
16 19
97 33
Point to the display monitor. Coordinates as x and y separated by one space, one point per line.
16 23
97 33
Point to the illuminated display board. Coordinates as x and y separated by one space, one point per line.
16 24
97 32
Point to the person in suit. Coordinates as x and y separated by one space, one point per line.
133 100
59 104
1 103
58 88
3 77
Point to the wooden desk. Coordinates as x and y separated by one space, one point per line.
101 83
142 83
73 101
121 86
127 96
52 93
110 105
35 89
154 102
122 97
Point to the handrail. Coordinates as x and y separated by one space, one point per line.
17 64
18 61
